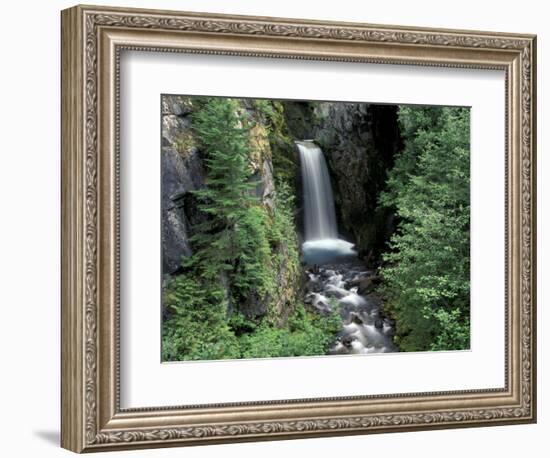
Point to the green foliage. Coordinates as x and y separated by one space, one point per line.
265 107
241 251
197 331
184 143
234 238
307 334
285 165
197 328
253 270
427 268
283 228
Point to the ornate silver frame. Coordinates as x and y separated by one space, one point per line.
92 39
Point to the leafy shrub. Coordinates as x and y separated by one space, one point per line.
198 327
307 334
428 265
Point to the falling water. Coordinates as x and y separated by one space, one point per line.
321 244
320 217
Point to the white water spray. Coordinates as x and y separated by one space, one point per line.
321 231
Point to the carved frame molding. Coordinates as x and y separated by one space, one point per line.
92 39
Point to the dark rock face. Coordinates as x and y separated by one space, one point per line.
180 176
359 141
303 119
175 119
182 172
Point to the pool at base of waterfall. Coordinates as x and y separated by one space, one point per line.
327 250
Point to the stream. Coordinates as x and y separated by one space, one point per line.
364 329
337 277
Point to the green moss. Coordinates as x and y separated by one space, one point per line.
285 161
264 106
185 142
285 258
259 145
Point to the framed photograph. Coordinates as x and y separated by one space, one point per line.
278 228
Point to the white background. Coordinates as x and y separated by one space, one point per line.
29 246
146 75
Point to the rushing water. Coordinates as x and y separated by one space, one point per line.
336 276
364 329
320 217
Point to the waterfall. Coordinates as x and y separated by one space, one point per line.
342 278
320 217
322 244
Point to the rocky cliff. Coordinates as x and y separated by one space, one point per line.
184 171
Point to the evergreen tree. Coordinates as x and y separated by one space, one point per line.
428 266
234 238
227 196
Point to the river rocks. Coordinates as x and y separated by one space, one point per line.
334 291
364 328
355 318
318 303
314 284
365 284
